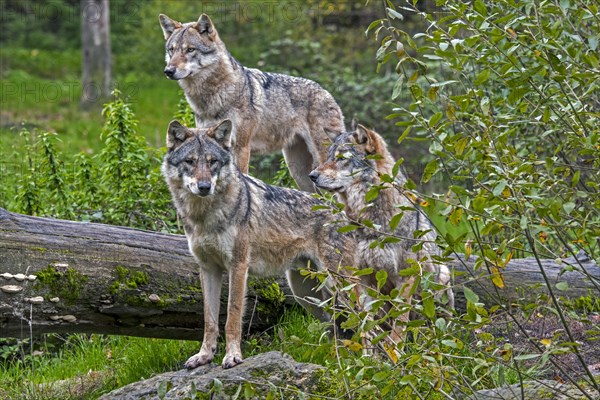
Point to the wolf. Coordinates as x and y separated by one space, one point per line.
269 111
236 223
355 163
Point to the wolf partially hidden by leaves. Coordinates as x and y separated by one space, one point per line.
355 164
268 111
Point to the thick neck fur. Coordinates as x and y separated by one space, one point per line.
379 211
212 89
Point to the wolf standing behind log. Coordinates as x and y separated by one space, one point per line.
239 224
269 111
354 164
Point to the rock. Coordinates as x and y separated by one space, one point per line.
272 371
534 390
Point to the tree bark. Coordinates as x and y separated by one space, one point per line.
97 58
95 278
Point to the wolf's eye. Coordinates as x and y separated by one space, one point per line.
189 161
191 49
214 162
171 50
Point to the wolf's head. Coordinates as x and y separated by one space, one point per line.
190 47
347 163
199 159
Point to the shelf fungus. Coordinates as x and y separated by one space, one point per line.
154 298
69 318
35 300
11 289
18 277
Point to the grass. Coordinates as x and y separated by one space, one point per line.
48 99
103 363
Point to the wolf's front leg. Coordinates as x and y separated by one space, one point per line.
210 278
238 276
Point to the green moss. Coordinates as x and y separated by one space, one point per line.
66 285
39 249
197 288
268 290
271 301
125 278
135 301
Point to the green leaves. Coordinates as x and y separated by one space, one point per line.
482 77
121 184
347 228
431 169
470 295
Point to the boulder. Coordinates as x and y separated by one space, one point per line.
256 377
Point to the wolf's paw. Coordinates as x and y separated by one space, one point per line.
198 359
231 360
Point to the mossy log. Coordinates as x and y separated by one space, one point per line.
64 276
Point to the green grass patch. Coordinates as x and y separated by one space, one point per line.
104 363
101 363
40 92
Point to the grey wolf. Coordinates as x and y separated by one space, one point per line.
355 162
236 223
269 111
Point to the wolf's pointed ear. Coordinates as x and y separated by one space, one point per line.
222 133
168 25
365 139
204 25
177 134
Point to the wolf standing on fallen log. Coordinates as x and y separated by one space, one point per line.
269 111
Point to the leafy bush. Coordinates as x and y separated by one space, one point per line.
121 185
507 95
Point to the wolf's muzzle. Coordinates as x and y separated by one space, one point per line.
170 72
203 188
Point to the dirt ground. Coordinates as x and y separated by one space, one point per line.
544 330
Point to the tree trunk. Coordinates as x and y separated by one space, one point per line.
97 59
85 277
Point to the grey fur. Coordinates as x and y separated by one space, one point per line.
350 173
237 223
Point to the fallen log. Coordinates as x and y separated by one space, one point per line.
65 276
